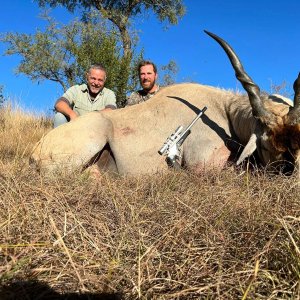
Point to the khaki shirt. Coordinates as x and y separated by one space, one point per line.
81 102
140 96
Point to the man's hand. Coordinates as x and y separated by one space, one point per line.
72 115
64 108
108 107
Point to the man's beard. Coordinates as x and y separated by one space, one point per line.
148 87
94 93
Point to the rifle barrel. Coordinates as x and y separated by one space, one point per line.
197 117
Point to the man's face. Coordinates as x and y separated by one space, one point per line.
147 77
96 80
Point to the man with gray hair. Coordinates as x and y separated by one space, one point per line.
81 99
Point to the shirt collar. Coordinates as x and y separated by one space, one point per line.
85 89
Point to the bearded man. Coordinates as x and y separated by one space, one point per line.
148 76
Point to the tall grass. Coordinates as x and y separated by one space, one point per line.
176 235
19 131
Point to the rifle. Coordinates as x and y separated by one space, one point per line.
171 147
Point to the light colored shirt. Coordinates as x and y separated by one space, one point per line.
80 100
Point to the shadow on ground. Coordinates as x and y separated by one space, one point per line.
35 290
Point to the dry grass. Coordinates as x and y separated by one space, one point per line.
19 131
227 235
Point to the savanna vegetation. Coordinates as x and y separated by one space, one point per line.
176 235
101 32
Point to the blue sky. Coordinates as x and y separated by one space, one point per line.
265 35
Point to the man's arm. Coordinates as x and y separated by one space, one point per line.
110 100
62 105
109 107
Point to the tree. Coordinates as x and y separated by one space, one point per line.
63 53
169 70
2 98
120 13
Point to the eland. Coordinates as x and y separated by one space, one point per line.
234 127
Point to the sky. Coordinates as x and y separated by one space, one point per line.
264 34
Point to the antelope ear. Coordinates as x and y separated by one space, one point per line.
249 148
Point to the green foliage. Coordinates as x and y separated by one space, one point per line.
2 98
119 13
170 70
64 52
121 10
